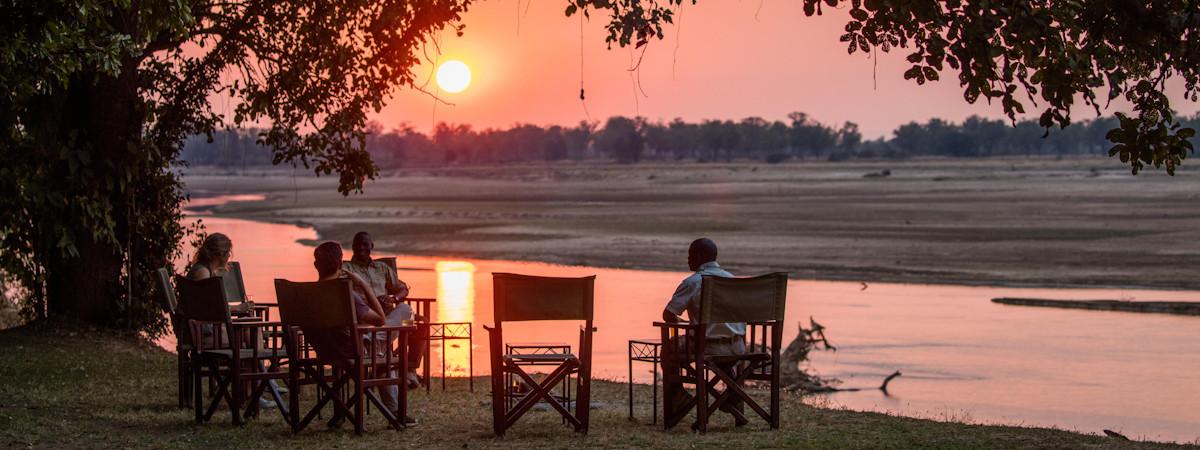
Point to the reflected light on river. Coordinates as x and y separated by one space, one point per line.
455 303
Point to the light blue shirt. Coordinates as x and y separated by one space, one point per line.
687 298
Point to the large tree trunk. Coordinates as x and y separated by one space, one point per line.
87 287
105 113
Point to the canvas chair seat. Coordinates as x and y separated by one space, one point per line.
246 353
722 359
545 357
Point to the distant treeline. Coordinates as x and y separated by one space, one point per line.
626 140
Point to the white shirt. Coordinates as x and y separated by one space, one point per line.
687 297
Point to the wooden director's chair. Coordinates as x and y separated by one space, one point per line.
235 354
524 298
759 303
320 318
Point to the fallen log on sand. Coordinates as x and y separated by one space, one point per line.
1182 308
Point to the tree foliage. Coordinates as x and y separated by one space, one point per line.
1044 54
100 96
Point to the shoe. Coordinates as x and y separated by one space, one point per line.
409 421
336 421
414 380
266 404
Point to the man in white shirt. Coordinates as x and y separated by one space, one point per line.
720 338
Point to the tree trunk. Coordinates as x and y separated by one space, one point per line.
87 287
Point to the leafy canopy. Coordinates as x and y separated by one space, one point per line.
1046 54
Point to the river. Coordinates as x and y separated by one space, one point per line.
962 357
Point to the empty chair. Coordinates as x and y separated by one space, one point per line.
759 303
323 333
524 298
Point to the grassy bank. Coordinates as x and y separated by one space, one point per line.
89 389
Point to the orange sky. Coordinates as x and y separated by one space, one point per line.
724 62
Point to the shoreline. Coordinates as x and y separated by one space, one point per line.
865 277
1053 224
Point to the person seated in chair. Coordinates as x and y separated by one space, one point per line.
212 260
381 281
328 261
721 338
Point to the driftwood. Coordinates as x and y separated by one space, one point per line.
794 379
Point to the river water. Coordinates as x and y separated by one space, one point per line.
962 357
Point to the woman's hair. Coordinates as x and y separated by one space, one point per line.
212 250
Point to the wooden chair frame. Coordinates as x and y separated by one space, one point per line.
524 298
367 368
166 295
764 334
234 354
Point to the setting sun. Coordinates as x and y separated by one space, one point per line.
453 76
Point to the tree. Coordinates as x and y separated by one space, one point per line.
100 96
1044 53
622 139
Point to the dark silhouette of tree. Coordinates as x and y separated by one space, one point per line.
1043 54
622 139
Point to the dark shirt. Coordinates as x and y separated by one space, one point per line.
336 345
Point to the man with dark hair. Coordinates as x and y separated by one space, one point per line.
720 338
327 258
381 281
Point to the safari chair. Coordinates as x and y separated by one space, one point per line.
759 303
526 298
165 295
234 285
234 354
316 316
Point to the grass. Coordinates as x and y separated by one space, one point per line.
86 388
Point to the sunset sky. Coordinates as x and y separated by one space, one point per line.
727 60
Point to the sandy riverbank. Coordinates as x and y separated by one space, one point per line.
1000 222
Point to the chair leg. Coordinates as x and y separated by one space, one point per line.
197 393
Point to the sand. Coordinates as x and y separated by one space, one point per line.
1076 222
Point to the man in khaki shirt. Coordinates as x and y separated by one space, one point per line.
391 292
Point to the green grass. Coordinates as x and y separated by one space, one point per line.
92 389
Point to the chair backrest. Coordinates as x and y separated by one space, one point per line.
234 284
315 305
526 297
389 260
751 299
203 300
166 292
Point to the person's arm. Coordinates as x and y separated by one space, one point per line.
679 300
372 302
395 287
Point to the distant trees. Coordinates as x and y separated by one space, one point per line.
630 140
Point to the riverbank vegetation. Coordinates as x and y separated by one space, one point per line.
631 140
72 386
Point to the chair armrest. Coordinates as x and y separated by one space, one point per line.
684 325
418 300
246 319
488 329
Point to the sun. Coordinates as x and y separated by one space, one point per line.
453 76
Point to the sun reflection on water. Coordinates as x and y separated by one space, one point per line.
455 303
